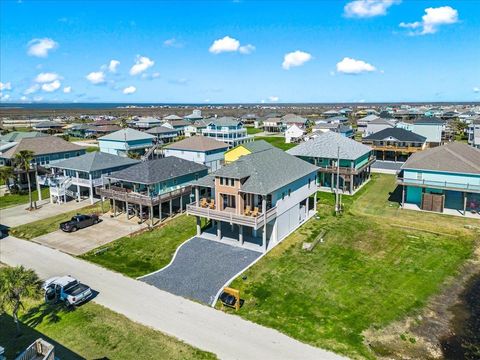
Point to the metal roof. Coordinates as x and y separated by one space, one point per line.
453 157
17 135
326 145
158 170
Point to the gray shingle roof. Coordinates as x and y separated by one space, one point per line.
225 121
17 135
256 146
42 146
326 146
161 130
396 133
47 124
266 171
198 143
172 117
158 170
428 120
94 161
453 157
128 135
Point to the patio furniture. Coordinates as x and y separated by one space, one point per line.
203 202
212 204
248 211
255 212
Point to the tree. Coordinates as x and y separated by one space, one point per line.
22 161
17 284
6 173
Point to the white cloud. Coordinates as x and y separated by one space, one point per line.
368 8
50 87
476 89
96 77
295 58
142 63
246 49
37 98
172 43
112 66
46 77
67 89
273 98
352 66
432 20
24 98
4 96
226 44
41 47
5 86
32 89
155 75
129 90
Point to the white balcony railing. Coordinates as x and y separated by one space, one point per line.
440 184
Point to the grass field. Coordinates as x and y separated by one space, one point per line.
18 199
146 252
252 130
92 148
91 332
277 141
48 225
367 273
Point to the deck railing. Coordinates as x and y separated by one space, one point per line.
39 350
142 199
230 217
440 184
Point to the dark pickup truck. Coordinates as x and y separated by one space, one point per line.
79 222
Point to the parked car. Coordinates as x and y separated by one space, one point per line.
79 222
66 289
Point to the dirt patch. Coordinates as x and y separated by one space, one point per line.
442 329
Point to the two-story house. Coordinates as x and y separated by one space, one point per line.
395 143
77 177
473 133
228 130
152 188
123 141
326 149
442 179
431 128
257 200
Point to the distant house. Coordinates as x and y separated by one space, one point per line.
49 149
96 131
442 179
246 149
363 122
78 177
324 151
127 140
330 113
152 188
395 143
257 200
195 128
249 119
78 130
273 125
293 134
344 130
431 128
200 149
163 134
172 117
292 119
48 126
178 125
16 136
337 119
194 116
147 122
227 129
378 124
473 133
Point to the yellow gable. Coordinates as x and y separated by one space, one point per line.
235 153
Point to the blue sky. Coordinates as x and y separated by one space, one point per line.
240 51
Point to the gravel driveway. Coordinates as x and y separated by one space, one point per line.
201 268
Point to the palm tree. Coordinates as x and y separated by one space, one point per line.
23 160
16 285
6 173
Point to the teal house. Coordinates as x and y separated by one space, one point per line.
442 179
324 151
123 141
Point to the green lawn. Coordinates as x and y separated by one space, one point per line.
92 332
146 252
366 274
18 199
48 225
277 141
92 148
252 130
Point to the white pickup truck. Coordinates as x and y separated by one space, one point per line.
66 289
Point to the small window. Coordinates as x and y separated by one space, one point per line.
196 176
289 192
221 181
232 182
283 195
309 182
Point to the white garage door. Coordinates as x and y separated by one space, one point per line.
287 222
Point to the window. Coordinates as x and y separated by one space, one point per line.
221 181
232 182
419 176
309 182
283 195
289 192
196 176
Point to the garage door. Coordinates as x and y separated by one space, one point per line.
287 221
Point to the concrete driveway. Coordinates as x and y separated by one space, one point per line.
18 215
228 336
89 238
201 268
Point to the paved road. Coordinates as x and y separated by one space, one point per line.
89 238
200 268
17 215
228 336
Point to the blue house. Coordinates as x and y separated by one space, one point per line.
123 141
442 179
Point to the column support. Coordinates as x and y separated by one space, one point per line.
91 188
264 233
219 230
464 204
151 215
199 227
403 196
114 208
78 186
181 204
39 189
171 207
140 214
315 202
240 234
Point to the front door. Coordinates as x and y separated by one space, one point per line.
228 201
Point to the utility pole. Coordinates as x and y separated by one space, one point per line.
337 188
